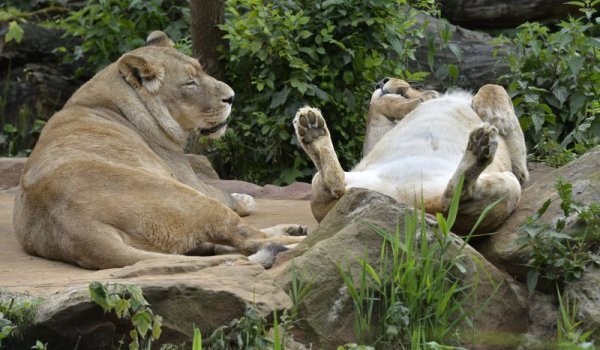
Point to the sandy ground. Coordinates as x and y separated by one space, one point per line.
20 272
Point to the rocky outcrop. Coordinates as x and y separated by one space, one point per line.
505 248
499 304
11 170
206 292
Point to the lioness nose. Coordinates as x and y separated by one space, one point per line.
381 83
229 99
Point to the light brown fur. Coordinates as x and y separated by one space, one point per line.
417 146
108 185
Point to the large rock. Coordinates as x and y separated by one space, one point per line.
505 248
207 292
586 294
11 170
343 237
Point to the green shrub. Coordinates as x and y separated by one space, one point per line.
556 255
128 302
283 55
108 28
555 84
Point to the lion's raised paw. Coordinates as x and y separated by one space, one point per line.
309 125
483 143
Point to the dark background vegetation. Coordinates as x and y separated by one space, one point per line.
281 55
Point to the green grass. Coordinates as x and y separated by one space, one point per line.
413 297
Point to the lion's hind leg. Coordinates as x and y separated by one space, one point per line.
482 189
329 183
493 105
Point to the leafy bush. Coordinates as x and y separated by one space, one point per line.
127 301
109 28
283 55
556 255
555 84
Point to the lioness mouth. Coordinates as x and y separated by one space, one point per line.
213 129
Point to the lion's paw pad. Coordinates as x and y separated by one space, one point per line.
310 125
483 143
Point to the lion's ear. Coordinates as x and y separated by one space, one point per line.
140 73
158 38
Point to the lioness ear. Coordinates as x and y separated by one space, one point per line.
139 72
158 38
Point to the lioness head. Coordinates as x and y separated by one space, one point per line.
397 87
175 89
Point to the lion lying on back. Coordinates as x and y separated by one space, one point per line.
418 144
108 185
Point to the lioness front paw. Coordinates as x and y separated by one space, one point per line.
483 142
309 125
286 230
244 204
428 95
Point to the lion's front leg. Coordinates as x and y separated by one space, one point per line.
329 183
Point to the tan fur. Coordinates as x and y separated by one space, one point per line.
417 146
108 184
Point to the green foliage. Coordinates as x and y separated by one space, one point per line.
571 335
6 327
413 298
16 314
556 255
555 84
283 55
14 33
247 332
197 340
127 301
108 28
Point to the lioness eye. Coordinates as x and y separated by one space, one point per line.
191 83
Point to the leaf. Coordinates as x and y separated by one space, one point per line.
348 77
156 327
575 63
197 341
279 97
532 280
456 50
9 128
304 34
561 94
15 32
142 322
99 295
122 307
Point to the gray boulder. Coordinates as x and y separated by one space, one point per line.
207 292
505 247
499 304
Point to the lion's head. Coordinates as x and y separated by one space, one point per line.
175 89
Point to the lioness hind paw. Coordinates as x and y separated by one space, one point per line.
267 254
309 125
483 143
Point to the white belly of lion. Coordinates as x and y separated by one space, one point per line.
421 153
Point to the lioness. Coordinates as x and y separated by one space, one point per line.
108 185
417 146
